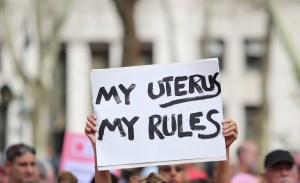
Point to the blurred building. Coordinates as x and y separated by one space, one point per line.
169 31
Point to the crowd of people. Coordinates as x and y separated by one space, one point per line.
21 166
280 166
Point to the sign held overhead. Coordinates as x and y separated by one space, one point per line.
158 114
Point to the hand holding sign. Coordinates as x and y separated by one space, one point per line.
177 108
230 132
91 129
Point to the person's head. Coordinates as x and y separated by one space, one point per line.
45 172
151 178
248 155
280 167
173 173
41 170
3 176
20 163
296 156
244 178
114 179
66 177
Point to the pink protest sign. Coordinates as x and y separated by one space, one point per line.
78 156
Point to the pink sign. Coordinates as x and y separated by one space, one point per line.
78 157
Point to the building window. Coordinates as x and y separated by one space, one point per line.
6 96
255 50
146 53
60 79
61 76
253 125
100 55
214 48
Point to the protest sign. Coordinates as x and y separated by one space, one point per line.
158 114
78 156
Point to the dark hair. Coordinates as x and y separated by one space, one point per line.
42 170
17 150
114 179
240 150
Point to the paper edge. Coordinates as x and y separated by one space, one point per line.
135 165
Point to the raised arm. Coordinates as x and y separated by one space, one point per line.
90 130
230 133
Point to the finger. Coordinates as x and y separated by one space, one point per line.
228 122
91 126
87 130
93 115
227 129
91 119
230 137
228 125
231 133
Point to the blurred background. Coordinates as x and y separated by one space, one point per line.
48 48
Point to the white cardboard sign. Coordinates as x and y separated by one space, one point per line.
158 114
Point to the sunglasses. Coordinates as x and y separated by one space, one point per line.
169 168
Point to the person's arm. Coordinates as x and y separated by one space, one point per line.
230 133
90 130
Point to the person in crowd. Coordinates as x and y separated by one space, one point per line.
173 173
248 159
45 172
280 167
66 177
182 173
20 163
196 175
230 133
114 179
244 178
151 178
41 171
296 155
3 176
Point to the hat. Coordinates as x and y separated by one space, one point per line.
278 156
